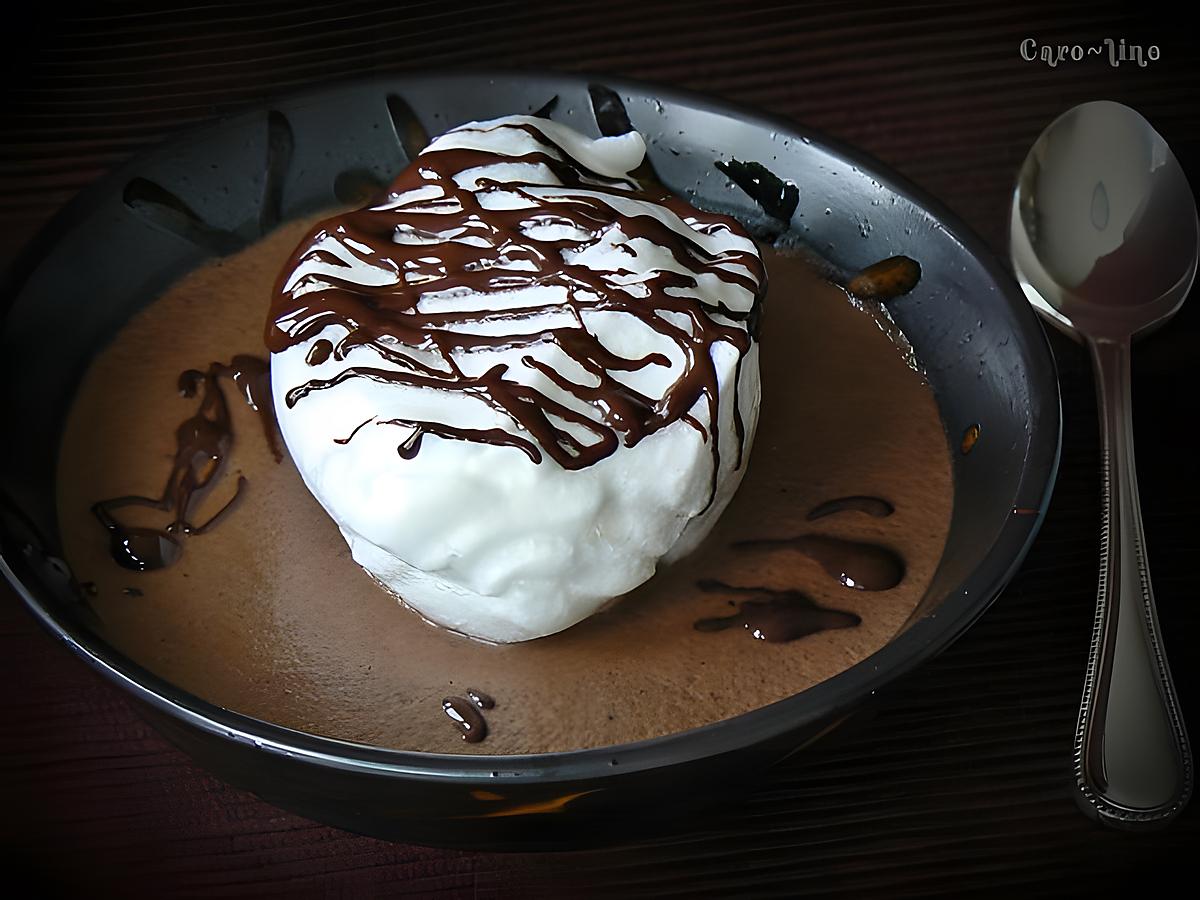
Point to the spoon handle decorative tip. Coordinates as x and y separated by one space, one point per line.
1133 765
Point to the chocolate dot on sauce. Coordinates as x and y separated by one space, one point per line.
480 699
470 722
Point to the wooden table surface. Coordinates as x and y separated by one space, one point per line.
959 785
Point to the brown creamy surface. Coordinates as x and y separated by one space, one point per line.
268 615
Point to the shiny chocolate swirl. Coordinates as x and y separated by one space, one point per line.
500 238
202 447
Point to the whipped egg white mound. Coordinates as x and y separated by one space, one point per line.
522 379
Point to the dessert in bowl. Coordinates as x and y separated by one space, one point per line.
521 379
732 653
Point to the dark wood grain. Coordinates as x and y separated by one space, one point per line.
958 782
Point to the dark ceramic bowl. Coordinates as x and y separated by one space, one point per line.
217 188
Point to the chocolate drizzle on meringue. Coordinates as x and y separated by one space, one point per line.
319 352
464 245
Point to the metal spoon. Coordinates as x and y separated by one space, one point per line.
1104 241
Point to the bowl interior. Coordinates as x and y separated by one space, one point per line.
218 188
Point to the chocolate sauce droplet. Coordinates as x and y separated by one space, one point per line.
480 699
885 280
872 506
864 567
319 352
411 445
775 616
466 716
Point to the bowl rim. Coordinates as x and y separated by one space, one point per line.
923 639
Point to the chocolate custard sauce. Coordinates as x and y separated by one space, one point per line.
268 615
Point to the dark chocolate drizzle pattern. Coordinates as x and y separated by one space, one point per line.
864 567
784 615
456 243
202 442
774 616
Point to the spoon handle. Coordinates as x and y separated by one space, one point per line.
1133 767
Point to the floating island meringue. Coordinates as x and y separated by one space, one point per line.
522 379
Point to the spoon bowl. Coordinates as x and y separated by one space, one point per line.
1104 230
1104 242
